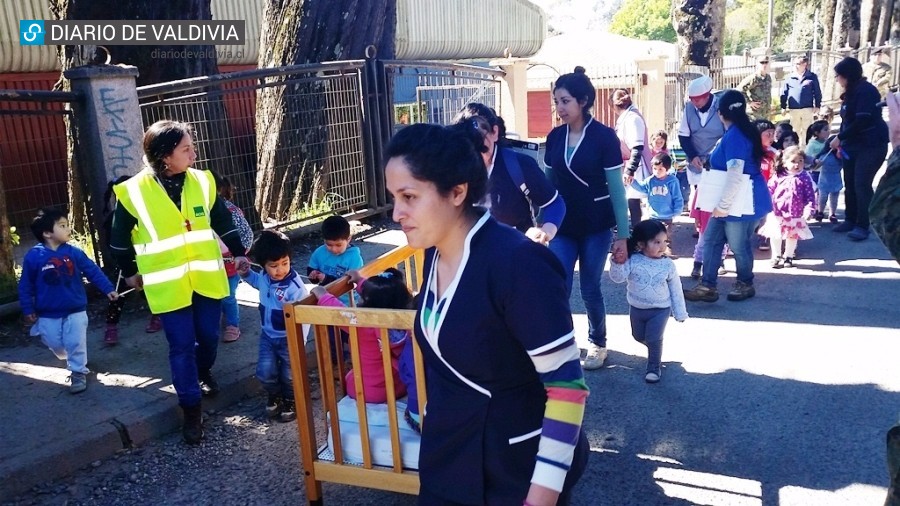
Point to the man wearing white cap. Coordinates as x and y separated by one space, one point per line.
701 128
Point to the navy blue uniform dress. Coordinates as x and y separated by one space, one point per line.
508 203
486 401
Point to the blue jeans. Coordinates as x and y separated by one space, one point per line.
230 305
193 335
67 339
273 369
590 251
737 234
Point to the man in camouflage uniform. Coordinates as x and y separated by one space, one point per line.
757 87
878 72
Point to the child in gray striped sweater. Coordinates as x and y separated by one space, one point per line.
653 290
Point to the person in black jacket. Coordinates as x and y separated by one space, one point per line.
864 138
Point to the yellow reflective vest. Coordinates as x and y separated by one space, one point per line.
177 252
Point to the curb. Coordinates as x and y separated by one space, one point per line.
130 429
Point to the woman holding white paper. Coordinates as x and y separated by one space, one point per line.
739 205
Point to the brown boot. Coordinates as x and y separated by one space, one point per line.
192 431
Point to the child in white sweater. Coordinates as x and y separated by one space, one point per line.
653 290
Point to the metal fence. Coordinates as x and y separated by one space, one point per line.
34 169
429 92
289 139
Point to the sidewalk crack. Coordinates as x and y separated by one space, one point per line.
123 433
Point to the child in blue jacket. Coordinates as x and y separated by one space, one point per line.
663 190
52 295
277 285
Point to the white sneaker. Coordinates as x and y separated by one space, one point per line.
596 355
651 377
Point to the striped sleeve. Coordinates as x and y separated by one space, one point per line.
544 327
560 371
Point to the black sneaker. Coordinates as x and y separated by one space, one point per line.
777 263
741 291
789 262
192 431
288 411
209 387
764 244
695 273
273 406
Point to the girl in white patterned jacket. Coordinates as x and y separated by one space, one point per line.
653 290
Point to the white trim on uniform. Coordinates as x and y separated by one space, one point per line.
432 327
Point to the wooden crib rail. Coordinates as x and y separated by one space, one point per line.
331 381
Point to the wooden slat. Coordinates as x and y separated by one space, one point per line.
387 361
360 399
405 483
358 317
305 422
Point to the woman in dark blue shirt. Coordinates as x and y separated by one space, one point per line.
508 203
738 154
506 393
586 158
864 137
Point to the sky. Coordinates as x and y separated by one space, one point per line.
574 15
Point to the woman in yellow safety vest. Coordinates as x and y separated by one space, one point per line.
164 240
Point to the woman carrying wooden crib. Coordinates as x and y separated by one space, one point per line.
505 388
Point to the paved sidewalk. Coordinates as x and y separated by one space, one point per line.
49 433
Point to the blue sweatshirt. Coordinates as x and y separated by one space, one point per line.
272 297
663 195
51 285
334 266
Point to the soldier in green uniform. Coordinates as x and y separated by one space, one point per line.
878 71
757 87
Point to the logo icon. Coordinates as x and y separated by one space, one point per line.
31 32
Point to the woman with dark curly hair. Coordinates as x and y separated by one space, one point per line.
864 138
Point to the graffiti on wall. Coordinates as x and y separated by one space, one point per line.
117 145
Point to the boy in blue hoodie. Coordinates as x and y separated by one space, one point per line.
52 295
662 189
277 285
337 256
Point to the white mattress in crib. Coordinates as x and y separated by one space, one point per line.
379 435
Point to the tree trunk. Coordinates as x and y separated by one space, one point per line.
7 256
853 7
841 27
868 22
895 23
292 128
826 18
883 32
700 28
207 115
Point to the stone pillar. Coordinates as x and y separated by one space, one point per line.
514 103
109 126
653 92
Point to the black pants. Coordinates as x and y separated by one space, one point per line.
634 210
859 173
